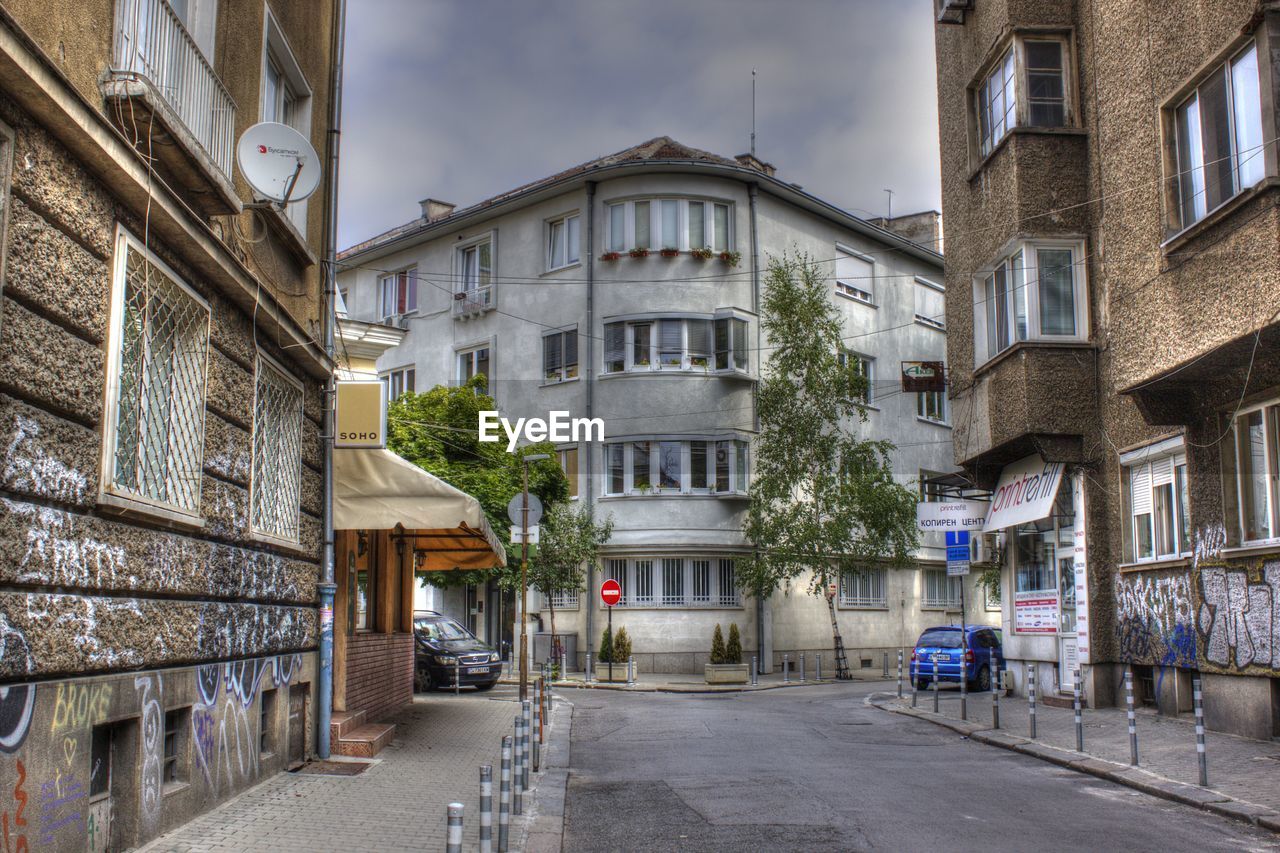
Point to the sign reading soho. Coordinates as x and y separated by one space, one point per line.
558 427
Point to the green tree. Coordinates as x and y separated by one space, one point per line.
438 430
622 646
733 649
717 646
605 654
570 543
820 496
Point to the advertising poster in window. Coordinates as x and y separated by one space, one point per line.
1035 613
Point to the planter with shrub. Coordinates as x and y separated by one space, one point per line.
615 648
726 666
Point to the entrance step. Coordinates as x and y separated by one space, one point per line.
342 723
365 741
1060 700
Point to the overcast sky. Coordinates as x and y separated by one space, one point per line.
464 99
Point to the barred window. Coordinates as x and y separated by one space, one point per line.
675 581
159 357
863 587
563 599
277 453
941 589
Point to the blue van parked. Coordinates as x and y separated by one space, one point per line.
943 644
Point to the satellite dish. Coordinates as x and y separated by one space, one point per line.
278 162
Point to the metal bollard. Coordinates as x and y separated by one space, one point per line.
631 670
1075 702
457 675
504 795
486 808
755 670
527 713
586 675
517 759
802 666
996 690
964 688
915 679
899 673
1203 761
1133 720
536 734
817 669
453 841
886 664
935 685
786 670
1031 695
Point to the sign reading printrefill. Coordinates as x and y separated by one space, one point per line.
1025 493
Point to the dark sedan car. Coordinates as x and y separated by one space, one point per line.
446 651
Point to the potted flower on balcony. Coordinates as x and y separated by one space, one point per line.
703 254
726 666
610 256
731 258
639 252
668 251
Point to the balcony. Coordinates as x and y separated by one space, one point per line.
473 302
166 98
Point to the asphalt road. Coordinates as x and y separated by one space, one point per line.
815 769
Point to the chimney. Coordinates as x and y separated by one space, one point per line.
751 161
434 208
924 227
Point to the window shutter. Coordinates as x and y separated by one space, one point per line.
1140 486
1162 471
551 353
615 342
699 337
672 337
571 348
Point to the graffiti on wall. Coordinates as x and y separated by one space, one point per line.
79 705
13 822
150 689
1154 620
1239 617
17 702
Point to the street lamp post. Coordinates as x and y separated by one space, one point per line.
524 576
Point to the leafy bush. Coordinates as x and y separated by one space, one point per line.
621 647
605 655
733 651
717 646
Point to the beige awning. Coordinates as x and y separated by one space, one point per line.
377 490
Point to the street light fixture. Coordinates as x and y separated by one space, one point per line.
524 575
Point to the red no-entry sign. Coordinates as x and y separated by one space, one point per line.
610 592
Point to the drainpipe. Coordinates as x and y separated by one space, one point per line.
327 587
753 190
591 389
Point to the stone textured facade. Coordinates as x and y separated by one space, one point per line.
1182 327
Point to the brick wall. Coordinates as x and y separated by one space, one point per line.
379 674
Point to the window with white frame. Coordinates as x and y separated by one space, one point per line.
1159 518
1027 86
930 490
569 465
941 589
675 344
560 356
563 239
286 97
471 363
156 400
855 275
931 304
1257 433
1035 293
866 367
675 581
670 223
474 287
399 382
398 293
932 406
1218 137
863 587
564 599
665 466
277 453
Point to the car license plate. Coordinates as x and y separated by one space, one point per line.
939 657
478 670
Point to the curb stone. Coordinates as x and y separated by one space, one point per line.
1121 774
543 830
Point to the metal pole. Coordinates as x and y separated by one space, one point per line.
915 678
524 584
899 673
802 666
536 739
526 712
817 669
1200 753
457 674
504 795
453 842
886 664
517 799
586 674
755 670
1133 720
486 808
964 682
935 684
996 690
1031 696
786 671
611 645
1079 718
631 670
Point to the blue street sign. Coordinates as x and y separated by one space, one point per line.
957 552
958 537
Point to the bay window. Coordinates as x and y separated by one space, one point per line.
669 466
677 223
1159 517
1218 139
676 343
675 581
560 356
1258 470
1027 86
398 293
563 239
1035 293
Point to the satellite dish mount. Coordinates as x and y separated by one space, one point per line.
279 163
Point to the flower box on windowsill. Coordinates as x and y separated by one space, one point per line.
610 256
725 673
669 253
701 254
731 258
639 253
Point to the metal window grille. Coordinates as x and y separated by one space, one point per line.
941 590
728 587
701 582
563 599
277 453
677 581
172 728
163 344
863 588
673 581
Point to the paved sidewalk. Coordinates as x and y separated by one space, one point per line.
687 682
399 803
1244 774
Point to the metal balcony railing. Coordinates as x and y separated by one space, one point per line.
472 301
153 45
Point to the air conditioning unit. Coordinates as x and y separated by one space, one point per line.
952 11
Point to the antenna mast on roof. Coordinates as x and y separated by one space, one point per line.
753 112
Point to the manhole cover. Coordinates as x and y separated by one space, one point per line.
333 768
